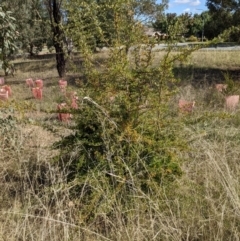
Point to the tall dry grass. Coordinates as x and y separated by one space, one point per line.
210 59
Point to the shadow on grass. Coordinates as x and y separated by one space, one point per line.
200 77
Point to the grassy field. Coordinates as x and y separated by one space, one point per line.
203 204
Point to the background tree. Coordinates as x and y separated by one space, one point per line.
54 8
34 27
149 9
8 36
163 22
185 20
32 23
224 14
96 21
188 24
220 21
174 26
195 25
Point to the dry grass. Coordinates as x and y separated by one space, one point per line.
216 59
201 205
208 59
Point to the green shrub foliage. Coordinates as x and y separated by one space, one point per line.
126 137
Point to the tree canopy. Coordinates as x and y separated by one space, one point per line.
8 36
224 14
94 22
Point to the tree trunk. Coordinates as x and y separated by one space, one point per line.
58 35
61 62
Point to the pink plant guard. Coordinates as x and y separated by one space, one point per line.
62 85
231 101
64 117
74 103
186 106
39 83
72 97
221 87
8 89
30 82
37 93
112 98
2 81
3 94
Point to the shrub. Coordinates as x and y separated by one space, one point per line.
126 137
192 39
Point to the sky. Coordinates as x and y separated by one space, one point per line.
190 6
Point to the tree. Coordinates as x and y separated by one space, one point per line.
225 5
171 24
58 36
31 22
34 27
193 24
163 22
149 9
8 36
224 14
220 21
96 20
185 20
